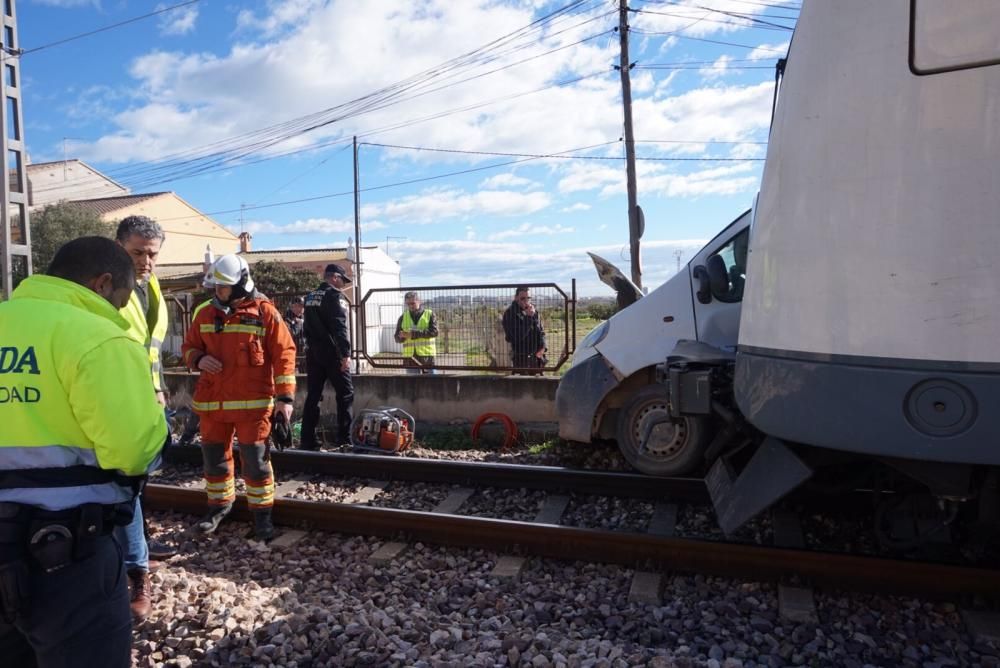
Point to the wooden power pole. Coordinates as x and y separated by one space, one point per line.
635 223
15 238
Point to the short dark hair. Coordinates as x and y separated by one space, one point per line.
85 258
144 226
411 295
519 289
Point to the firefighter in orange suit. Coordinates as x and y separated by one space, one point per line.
246 356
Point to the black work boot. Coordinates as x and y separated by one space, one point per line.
215 515
263 527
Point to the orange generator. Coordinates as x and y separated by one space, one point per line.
384 430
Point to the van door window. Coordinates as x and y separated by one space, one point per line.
734 256
946 35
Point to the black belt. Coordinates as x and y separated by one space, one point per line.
55 538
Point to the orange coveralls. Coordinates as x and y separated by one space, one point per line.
258 363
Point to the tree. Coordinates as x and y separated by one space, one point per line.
273 278
58 223
599 310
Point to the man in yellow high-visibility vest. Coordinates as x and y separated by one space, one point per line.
417 329
146 314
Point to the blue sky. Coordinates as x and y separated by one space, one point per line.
252 104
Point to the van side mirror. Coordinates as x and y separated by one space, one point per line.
718 276
704 293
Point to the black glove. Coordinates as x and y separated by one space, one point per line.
281 432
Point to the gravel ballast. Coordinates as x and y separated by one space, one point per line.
224 600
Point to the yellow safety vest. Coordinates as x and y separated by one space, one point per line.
139 327
418 347
74 394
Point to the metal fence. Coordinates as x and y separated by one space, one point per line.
469 321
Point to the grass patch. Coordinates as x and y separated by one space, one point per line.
544 446
446 439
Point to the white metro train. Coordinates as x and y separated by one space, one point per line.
850 321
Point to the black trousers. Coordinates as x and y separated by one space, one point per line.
79 616
526 364
319 371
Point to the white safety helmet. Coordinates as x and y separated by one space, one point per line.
230 270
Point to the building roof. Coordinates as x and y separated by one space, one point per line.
111 204
36 166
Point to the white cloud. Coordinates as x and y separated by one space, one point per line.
301 57
179 21
69 3
656 179
579 206
437 205
307 226
719 68
505 181
433 262
530 229
769 51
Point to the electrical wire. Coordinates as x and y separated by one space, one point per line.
525 157
704 39
195 161
72 38
761 24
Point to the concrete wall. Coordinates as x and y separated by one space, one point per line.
430 399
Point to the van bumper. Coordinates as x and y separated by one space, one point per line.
579 396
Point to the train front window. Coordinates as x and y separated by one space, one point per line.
946 35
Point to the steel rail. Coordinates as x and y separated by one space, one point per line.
476 474
749 562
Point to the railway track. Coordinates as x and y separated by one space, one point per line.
479 474
656 551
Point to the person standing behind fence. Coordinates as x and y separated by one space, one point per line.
328 356
523 329
416 329
296 321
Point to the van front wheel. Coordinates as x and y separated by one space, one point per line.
672 447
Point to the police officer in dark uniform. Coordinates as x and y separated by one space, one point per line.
328 355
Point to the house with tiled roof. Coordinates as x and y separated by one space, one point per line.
188 230
62 180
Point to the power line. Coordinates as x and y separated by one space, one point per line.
752 16
523 157
705 39
762 25
537 156
198 161
107 27
703 67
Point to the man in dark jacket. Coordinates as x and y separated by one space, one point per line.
523 330
296 321
328 355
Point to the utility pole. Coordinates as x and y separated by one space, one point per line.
358 325
387 237
15 237
635 222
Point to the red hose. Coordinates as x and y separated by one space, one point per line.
510 429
